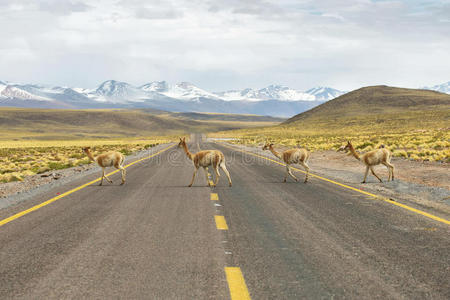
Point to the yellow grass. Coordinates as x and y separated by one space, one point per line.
19 159
80 143
33 141
406 136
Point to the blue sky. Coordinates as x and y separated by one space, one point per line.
226 44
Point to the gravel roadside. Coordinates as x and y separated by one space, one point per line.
427 184
14 192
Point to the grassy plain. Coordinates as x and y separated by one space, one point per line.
34 141
25 158
45 124
414 124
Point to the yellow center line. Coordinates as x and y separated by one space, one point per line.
36 207
236 284
417 211
211 183
214 196
221 224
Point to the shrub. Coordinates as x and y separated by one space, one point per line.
125 151
364 145
400 153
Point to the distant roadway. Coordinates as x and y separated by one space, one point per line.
155 238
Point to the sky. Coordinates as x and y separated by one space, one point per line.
226 44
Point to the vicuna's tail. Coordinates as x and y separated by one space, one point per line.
221 159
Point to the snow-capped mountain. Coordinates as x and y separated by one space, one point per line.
186 90
117 92
2 87
182 90
443 88
324 93
272 92
156 86
274 100
122 92
14 92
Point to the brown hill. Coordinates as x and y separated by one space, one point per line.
376 101
24 123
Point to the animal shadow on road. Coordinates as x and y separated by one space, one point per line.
179 186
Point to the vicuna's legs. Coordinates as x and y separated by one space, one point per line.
390 169
224 168
306 168
122 171
365 175
206 174
216 170
104 176
373 172
193 176
288 171
110 181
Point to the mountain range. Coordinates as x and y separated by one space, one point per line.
275 100
443 88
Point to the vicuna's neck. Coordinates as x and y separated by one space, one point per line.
274 152
186 150
89 154
354 153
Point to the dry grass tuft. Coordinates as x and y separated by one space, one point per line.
19 159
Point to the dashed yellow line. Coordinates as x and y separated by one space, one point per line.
417 211
214 197
236 284
221 224
36 207
211 183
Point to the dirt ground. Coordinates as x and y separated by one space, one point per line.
14 192
30 182
433 174
424 184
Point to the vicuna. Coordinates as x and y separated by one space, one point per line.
291 156
205 159
109 159
373 158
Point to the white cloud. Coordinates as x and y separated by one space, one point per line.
64 8
226 44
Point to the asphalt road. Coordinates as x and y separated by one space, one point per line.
155 238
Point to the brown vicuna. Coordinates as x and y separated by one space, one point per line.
109 159
291 156
373 158
205 159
